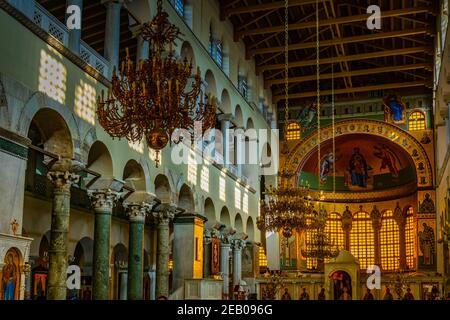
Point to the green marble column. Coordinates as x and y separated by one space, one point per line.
137 214
57 271
163 214
103 203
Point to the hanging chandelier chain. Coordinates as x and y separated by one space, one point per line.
286 61
318 93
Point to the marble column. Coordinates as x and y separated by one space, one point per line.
237 245
163 213
225 124
75 34
136 214
207 239
225 247
112 32
103 203
62 179
123 285
27 272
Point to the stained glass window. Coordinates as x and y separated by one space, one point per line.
293 131
409 239
389 242
362 244
416 121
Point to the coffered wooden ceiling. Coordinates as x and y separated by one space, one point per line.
398 58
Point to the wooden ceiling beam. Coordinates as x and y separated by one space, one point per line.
354 73
228 12
329 43
328 22
387 86
354 57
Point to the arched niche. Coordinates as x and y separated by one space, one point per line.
186 199
49 131
225 217
250 229
210 80
188 53
100 160
210 213
238 224
225 102
134 176
83 255
238 118
162 188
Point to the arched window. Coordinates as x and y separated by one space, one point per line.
179 7
389 242
333 229
215 48
362 244
416 121
409 239
293 131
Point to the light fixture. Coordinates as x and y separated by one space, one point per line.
157 96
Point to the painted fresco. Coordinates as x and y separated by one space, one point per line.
361 163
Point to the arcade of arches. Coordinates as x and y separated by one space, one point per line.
378 169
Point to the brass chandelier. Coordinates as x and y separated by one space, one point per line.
158 95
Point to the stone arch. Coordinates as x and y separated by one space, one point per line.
162 189
211 87
83 255
301 151
250 124
100 160
250 229
134 176
186 199
225 101
187 53
238 223
39 101
225 217
210 213
238 117
49 131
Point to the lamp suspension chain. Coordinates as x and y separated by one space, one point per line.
286 62
318 95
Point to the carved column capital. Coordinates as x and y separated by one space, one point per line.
63 180
207 236
139 205
238 244
164 212
103 200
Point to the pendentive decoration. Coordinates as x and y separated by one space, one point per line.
159 95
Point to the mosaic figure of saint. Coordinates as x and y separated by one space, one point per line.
426 243
394 108
388 159
358 169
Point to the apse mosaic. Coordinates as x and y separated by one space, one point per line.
361 163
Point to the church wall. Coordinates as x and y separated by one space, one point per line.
22 81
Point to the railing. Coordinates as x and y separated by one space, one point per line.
46 21
50 24
91 57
